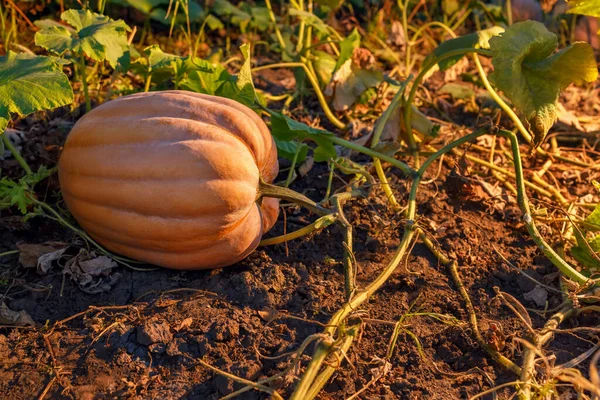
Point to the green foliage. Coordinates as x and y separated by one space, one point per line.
243 15
347 47
285 129
21 193
324 64
288 149
31 83
585 7
95 35
587 251
532 77
474 40
157 9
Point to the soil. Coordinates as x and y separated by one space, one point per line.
146 336
154 333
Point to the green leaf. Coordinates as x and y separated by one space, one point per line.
236 14
213 22
4 118
242 88
584 7
479 39
286 129
31 83
347 47
583 252
158 59
310 19
458 90
288 149
206 78
261 18
594 218
324 64
532 77
157 9
97 36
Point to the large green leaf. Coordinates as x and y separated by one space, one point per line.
286 129
205 77
479 39
31 83
97 36
532 77
585 7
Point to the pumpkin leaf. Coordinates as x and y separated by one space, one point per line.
532 77
288 148
587 252
324 64
97 36
236 15
31 83
286 129
158 59
584 7
205 78
479 39
310 19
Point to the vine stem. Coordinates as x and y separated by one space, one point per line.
417 83
537 341
319 224
377 131
274 21
315 84
15 153
517 121
523 202
310 381
279 192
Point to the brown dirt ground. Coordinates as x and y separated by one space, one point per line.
143 339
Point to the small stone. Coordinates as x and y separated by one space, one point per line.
154 332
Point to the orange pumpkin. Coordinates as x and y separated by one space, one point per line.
171 178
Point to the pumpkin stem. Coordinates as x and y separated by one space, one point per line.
279 192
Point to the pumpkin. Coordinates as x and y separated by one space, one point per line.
171 178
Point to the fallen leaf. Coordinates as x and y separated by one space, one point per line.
40 256
353 78
268 314
538 295
10 317
567 117
397 36
306 166
186 323
92 272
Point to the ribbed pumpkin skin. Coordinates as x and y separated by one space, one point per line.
171 178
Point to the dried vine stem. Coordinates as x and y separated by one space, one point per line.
537 341
314 378
452 266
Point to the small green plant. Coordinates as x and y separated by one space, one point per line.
93 35
28 84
